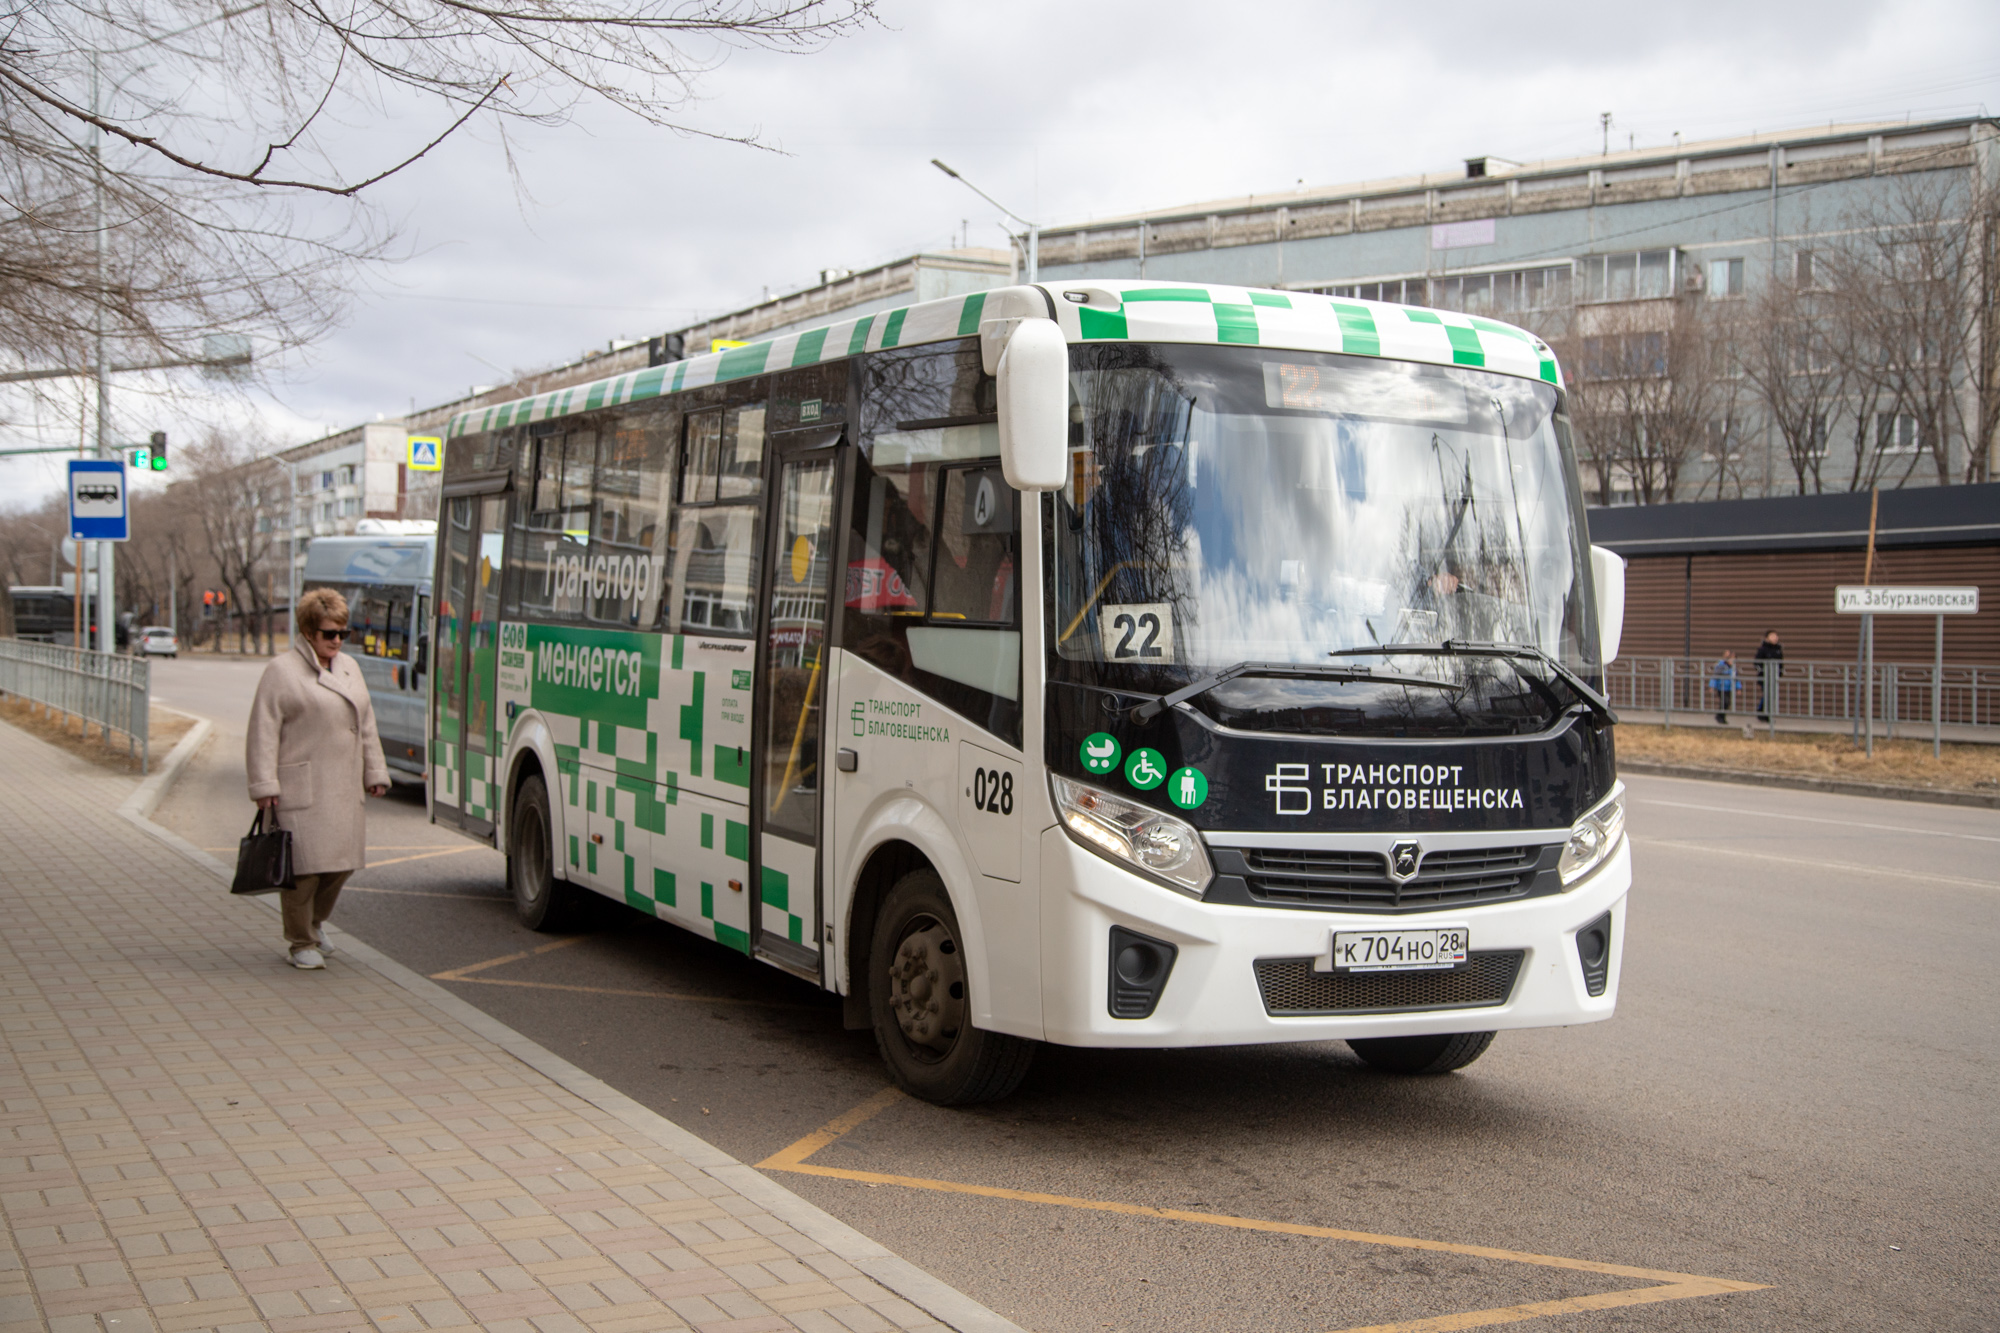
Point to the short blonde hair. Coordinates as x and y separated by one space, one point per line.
317 607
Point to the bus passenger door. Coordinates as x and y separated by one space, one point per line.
466 746
794 649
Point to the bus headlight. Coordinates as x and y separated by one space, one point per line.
1157 844
1595 837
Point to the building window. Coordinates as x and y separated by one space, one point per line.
346 474
1625 356
326 481
1724 439
324 511
1635 275
1546 287
1895 433
1805 270
263 523
1817 437
1397 291
1725 277
351 507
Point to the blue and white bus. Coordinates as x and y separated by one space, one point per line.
386 578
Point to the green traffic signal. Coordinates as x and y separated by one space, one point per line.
140 459
158 455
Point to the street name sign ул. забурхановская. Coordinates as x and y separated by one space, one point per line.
1912 601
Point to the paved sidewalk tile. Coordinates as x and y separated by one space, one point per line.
193 1136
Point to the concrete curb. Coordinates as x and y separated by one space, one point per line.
153 790
1805 782
944 1303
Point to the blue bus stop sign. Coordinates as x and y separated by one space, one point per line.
97 499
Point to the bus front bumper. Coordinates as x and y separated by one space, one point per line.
1213 995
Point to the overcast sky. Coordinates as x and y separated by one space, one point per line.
1064 111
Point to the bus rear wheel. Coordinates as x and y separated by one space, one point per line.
920 1006
542 901
1421 1055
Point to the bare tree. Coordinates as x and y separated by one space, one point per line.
230 484
158 568
212 150
1799 368
1907 287
1650 395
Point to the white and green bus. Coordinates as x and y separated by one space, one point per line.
1110 664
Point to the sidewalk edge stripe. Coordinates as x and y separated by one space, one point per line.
946 1304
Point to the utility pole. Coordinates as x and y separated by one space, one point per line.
107 592
292 542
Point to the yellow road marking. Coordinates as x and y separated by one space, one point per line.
425 856
465 974
613 990
425 893
394 847
1513 1314
792 1158
1674 1286
1849 867
461 973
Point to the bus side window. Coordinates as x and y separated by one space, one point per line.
715 546
977 556
630 531
554 544
934 544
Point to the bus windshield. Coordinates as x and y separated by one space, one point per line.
1240 504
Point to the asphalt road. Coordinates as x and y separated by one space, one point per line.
1798 1091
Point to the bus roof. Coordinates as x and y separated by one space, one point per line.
1097 310
370 559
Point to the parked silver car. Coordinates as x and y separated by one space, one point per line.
158 641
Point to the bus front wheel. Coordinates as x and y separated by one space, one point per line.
921 1011
542 901
1421 1055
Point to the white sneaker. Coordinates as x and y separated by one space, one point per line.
324 947
307 959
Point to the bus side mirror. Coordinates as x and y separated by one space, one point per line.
1607 574
1033 388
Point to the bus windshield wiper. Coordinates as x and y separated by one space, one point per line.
1518 651
1152 708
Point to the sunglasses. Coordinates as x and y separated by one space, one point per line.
335 635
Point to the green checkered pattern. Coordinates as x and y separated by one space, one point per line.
665 785
1139 312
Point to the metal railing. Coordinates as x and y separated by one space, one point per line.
113 692
1914 696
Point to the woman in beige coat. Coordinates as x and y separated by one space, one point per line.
311 753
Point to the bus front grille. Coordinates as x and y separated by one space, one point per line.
1291 987
1359 881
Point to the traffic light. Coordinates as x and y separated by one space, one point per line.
139 460
159 451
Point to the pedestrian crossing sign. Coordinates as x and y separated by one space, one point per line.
426 453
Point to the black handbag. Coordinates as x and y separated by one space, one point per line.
263 858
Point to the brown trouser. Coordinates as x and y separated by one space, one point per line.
308 903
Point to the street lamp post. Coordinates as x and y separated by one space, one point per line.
1034 228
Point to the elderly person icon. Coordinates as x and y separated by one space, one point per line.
311 754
